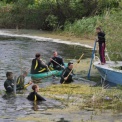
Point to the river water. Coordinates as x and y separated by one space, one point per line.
17 53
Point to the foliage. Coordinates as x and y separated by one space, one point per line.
110 23
35 13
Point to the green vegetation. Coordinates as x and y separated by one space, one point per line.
85 97
49 14
75 17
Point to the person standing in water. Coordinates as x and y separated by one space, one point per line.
64 77
102 45
56 61
21 81
9 83
34 96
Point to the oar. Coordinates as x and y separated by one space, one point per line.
47 67
78 61
93 52
57 63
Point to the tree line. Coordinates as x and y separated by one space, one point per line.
50 14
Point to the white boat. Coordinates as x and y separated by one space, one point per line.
111 71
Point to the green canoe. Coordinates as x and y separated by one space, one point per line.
46 74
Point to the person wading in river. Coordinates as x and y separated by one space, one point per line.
56 61
34 96
64 77
21 81
37 65
102 45
9 83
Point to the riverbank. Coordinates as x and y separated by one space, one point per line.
53 35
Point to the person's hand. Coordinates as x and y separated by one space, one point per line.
30 82
50 59
63 67
65 78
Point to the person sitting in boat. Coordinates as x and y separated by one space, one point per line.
34 96
9 83
102 45
37 65
67 74
56 61
21 81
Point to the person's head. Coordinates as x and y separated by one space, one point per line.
35 88
98 29
9 75
25 73
70 65
55 53
38 55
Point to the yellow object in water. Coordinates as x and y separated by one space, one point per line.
36 65
35 98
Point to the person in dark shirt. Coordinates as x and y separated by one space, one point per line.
21 81
64 77
102 45
56 61
9 83
34 96
37 65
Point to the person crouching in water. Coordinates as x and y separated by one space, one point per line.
102 45
34 96
64 77
21 81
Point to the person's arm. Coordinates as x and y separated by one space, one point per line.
62 61
40 98
64 74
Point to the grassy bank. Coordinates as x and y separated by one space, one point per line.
85 97
110 23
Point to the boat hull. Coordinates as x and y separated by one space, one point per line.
110 74
47 74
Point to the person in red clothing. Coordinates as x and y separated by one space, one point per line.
102 45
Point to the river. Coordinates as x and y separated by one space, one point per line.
18 52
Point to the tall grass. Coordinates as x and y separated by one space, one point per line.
110 23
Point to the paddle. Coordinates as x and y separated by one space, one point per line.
57 63
47 67
93 52
78 61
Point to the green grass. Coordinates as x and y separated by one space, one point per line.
110 23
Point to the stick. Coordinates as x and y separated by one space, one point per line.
93 52
57 63
47 67
72 69
15 85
